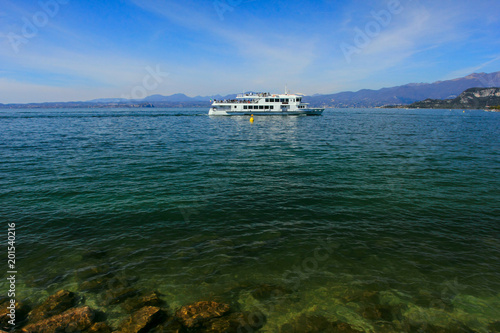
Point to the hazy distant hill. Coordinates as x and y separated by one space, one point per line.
473 98
408 93
171 98
175 98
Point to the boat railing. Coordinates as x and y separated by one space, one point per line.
234 101
253 95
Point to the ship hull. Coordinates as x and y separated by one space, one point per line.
304 112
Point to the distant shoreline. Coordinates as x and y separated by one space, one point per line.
114 107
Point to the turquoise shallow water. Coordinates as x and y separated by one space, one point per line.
328 210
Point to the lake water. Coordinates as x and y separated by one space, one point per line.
388 220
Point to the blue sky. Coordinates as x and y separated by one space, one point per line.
68 50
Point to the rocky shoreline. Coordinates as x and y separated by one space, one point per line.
65 311
106 301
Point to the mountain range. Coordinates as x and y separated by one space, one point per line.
400 95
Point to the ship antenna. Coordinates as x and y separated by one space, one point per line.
286 89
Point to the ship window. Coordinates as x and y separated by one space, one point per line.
245 107
282 100
272 107
286 100
267 100
235 106
261 107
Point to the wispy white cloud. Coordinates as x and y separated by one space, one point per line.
258 45
472 69
102 69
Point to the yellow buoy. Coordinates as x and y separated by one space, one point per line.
251 118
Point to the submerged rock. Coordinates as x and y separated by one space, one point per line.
118 290
143 320
152 299
368 297
170 326
116 296
103 282
236 322
73 320
99 328
54 305
198 313
22 309
383 312
315 324
96 283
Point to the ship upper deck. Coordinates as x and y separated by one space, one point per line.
263 95
253 95
259 98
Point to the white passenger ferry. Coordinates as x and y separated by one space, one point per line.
263 104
